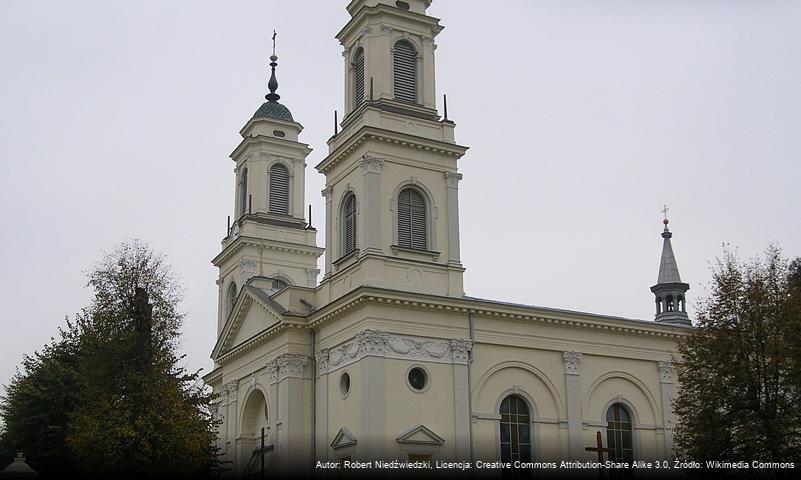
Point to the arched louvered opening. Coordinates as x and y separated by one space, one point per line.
412 223
243 191
357 72
349 224
669 305
405 71
231 298
619 433
279 189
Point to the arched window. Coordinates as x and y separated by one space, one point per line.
669 307
243 191
231 297
405 71
412 225
357 72
515 430
619 433
279 189
349 224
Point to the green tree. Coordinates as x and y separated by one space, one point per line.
36 405
140 414
740 368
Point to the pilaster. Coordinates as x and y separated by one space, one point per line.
371 202
572 364
668 392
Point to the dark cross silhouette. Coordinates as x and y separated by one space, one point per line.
599 447
274 34
261 452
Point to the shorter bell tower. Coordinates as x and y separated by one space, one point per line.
269 243
670 291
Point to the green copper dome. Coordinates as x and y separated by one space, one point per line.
274 110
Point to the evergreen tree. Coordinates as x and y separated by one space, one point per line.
740 369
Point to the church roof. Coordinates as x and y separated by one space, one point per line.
275 110
668 270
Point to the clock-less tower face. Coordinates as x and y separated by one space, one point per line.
392 215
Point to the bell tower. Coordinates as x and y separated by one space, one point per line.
269 243
392 204
670 291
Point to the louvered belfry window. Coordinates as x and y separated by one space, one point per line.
358 78
412 228
405 71
279 189
349 225
243 191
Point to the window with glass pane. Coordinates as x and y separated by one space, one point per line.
619 433
515 430
349 225
412 227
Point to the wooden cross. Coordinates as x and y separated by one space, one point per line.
261 452
599 447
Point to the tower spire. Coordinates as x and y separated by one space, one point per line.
273 83
669 290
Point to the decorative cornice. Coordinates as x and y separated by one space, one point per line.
572 362
453 179
389 345
666 372
371 164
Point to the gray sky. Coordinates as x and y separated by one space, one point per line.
583 118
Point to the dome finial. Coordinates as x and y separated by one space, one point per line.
273 83
665 221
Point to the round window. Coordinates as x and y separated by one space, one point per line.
418 378
344 384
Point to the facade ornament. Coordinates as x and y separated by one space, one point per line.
453 179
387 28
371 164
272 371
460 349
372 342
326 192
232 389
290 365
321 358
666 372
572 362
264 156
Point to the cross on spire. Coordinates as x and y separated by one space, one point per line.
274 35
665 211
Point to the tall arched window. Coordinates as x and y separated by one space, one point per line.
515 430
412 224
349 224
231 298
619 433
279 189
405 71
357 73
243 191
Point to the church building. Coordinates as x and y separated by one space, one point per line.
384 356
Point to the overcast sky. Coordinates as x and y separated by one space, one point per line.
583 118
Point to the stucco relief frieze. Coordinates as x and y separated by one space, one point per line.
383 344
572 362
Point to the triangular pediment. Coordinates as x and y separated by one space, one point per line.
343 438
253 312
421 435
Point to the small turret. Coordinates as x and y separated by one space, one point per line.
670 292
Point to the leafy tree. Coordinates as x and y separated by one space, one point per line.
108 396
36 404
140 413
740 369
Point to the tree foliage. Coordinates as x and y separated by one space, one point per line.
740 369
128 408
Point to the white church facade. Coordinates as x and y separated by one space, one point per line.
385 357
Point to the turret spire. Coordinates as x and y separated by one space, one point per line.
273 83
669 290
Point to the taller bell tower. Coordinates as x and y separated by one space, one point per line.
392 204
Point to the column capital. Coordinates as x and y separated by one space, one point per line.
290 365
321 357
452 179
572 361
666 371
326 193
460 349
370 164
